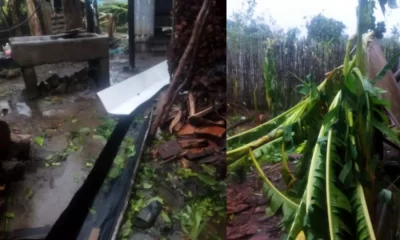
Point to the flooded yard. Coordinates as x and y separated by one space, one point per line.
63 147
65 142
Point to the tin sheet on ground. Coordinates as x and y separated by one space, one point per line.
124 97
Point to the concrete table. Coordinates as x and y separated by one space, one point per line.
28 52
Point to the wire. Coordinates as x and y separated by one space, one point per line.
25 21
3 14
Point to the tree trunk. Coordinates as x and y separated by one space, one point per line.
12 8
34 23
72 13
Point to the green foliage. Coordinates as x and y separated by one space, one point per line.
277 200
369 20
20 11
324 29
198 205
126 150
242 26
395 31
195 217
337 167
118 10
106 128
273 89
146 177
292 35
380 29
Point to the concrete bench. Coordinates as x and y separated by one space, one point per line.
28 52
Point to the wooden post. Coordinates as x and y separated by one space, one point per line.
30 80
5 141
46 12
34 22
89 17
131 33
72 13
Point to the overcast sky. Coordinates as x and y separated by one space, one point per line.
292 13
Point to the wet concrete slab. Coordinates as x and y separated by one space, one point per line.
51 191
39 199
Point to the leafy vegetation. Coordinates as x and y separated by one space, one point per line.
330 195
126 150
118 12
321 47
198 202
273 90
325 29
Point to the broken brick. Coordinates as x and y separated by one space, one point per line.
187 130
169 149
197 153
211 159
211 132
193 143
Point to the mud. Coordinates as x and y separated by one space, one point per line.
246 210
246 202
39 199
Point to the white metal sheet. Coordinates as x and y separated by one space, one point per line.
124 97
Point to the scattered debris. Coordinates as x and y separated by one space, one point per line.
193 143
21 146
56 85
39 140
211 132
246 208
10 73
199 153
187 130
169 149
175 121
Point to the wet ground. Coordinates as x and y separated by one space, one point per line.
53 122
246 203
246 209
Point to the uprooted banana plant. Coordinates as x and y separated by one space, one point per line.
330 194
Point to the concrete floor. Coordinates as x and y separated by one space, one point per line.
39 199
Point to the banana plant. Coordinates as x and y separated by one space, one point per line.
329 195
336 171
